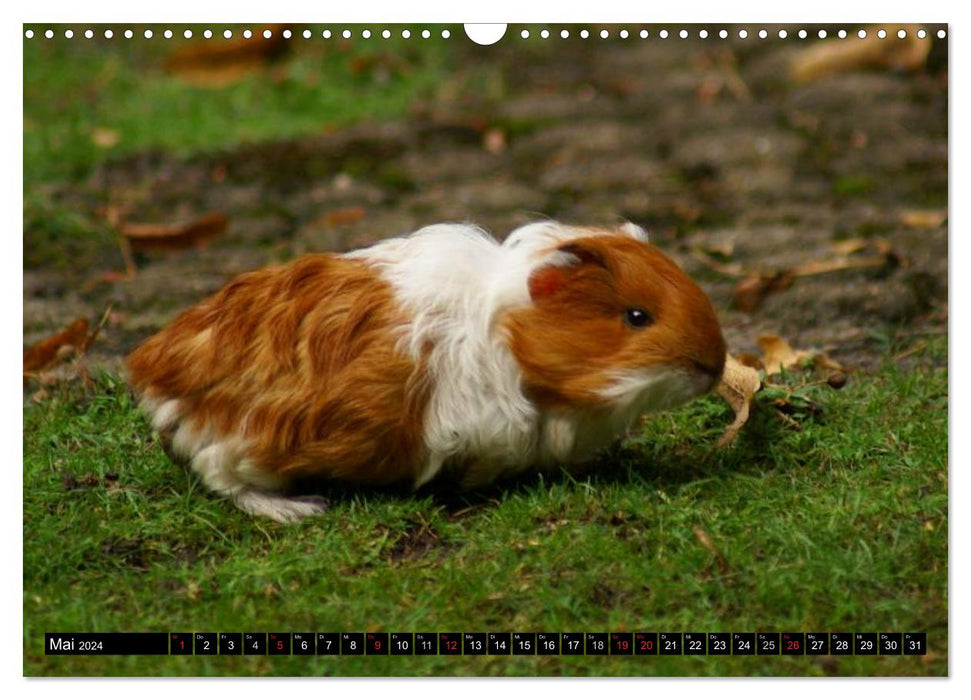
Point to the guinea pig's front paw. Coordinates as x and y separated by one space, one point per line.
283 509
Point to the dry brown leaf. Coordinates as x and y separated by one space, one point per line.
494 141
842 55
750 360
707 544
778 354
196 233
819 267
719 249
105 138
923 218
731 269
209 63
55 348
345 216
752 291
849 246
737 386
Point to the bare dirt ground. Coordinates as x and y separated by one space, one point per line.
711 146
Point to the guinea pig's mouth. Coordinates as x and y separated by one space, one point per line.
708 376
657 388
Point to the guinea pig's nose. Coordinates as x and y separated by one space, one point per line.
711 361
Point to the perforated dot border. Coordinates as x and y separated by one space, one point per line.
61 32
544 33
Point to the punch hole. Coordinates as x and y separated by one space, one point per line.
902 34
723 34
187 33
307 34
703 33
565 34
386 34
167 33
545 34
49 34
524 34
247 34
29 34
841 33
921 34
604 34
326 34
783 33
683 34
861 33
149 34
88 34
446 34
941 34
287 34
109 33
882 34
228 34
803 33
763 34
366 34
742 34
821 34
663 33
485 34
425 34
584 34
129 33
624 34
346 34
405 34
68 34
644 34
207 34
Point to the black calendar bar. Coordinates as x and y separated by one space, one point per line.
630 644
106 643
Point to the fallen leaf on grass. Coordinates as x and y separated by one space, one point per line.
707 544
55 348
778 354
756 284
494 141
345 216
849 246
840 55
923 218
197 233
752 291
72 341
105 138
217 63
737 386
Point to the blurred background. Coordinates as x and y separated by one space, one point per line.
802 180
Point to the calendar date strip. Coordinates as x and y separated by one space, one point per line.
485 643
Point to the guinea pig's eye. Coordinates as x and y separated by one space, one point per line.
637 318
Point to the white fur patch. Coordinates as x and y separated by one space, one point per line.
280 508
455 280
164 413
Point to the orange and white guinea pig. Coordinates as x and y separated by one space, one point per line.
440 353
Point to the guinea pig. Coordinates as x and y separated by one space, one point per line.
440 353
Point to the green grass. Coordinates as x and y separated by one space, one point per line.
839 526
74 87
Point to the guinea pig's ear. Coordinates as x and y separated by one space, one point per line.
550 277
635 232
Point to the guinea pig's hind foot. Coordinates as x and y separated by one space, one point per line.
283 509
